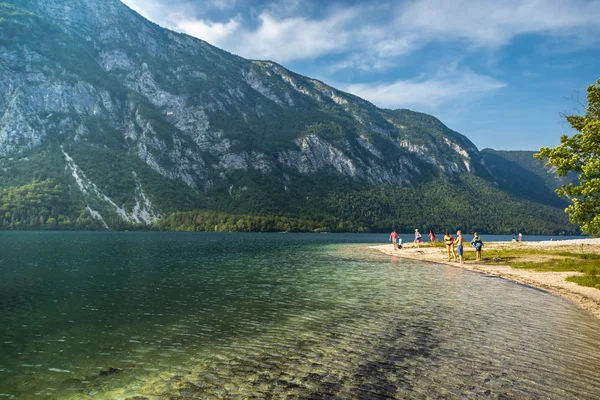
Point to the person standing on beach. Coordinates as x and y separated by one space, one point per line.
478 244
431 236
418 238
459 242
394 239
520 237
449 240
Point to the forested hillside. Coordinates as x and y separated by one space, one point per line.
520 174
467 203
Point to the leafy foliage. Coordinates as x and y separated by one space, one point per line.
581 153
207 221
42 205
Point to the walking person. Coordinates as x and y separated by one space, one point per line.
418 238
449 240
431 236
478 244
459 242
394 239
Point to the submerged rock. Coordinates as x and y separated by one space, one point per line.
110 371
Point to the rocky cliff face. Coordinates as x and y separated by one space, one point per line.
95 83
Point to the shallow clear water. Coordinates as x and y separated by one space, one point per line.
182 316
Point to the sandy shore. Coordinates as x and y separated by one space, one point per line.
585 297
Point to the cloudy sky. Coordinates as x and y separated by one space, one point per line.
500 72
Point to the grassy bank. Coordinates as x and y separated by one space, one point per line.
584 259
580 260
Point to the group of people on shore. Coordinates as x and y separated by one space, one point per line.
419 238
449 241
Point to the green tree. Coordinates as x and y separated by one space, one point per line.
581 153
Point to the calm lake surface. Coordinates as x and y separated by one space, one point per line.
203 316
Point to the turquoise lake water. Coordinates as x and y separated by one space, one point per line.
206 316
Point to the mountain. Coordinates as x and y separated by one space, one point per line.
520 174
108 121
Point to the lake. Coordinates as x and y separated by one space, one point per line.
209 315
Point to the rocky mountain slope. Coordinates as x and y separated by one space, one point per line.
125 122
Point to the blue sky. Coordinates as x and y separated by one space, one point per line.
499 72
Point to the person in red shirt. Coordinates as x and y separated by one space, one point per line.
394 239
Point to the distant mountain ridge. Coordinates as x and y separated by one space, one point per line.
126 122
518 172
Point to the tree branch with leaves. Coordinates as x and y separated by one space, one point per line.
580 153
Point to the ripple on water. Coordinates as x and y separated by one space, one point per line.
182 317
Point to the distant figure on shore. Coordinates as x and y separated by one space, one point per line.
394 239
520 237
459 242
478 244
418 238
513 239
431 236
449 240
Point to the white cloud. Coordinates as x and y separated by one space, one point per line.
425 92
376 38
493 23
212 32
170 13
363 62
153 10
285 39
372 37
279 35
296 38
391 47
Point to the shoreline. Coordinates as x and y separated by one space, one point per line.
587 298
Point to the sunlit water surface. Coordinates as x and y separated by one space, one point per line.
194 316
